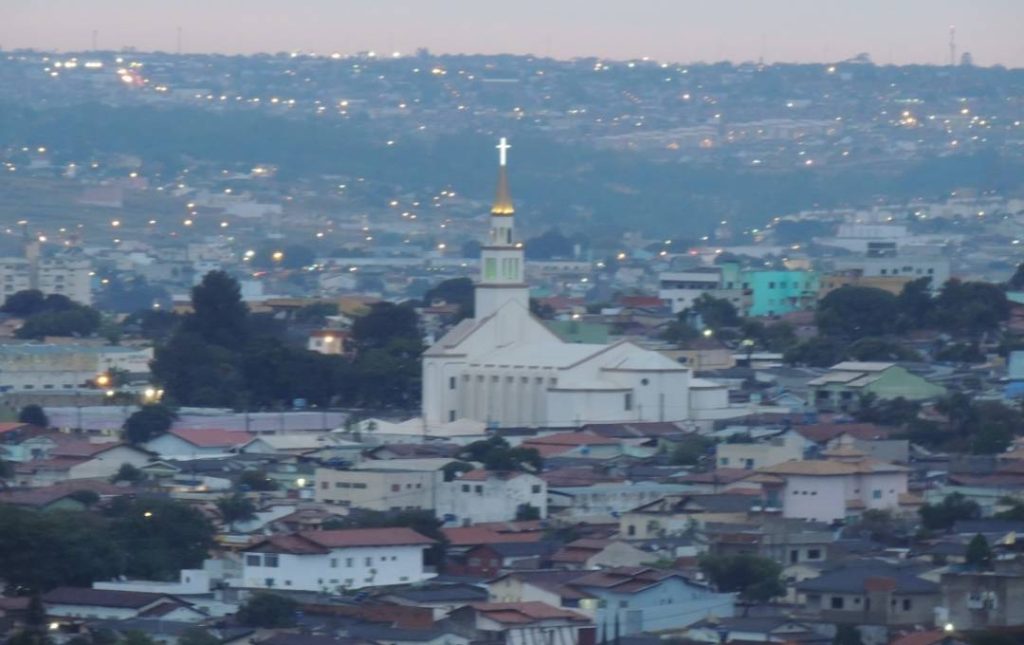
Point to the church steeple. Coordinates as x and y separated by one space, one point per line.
501 258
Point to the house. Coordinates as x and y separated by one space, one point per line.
595 553
194 443
608 497
488 560
338 559
295 443
870 592
490 496
678 514
785 540
378 489
441 599
636 599
841 387
754 629
102 604
979 600
79 460
576 444
388 635
641 599
328 341
519 623
830 490
751 455
58 497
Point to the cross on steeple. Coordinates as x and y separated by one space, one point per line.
503 151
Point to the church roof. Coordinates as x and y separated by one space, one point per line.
645 361
551 354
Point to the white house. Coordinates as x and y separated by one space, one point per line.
333 560
505 368
195 443
487 496
827 491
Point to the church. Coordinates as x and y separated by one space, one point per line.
505 368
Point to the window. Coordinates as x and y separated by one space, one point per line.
451 415
628 401
253 560
813 554
395 488
630 530
794 556
876 494
348 562
270 560
907 604
334 563
465 488
369 561
324 485
836 602
535 489
479 489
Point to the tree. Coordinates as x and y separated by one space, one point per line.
856 312
970 308
268 610
979 554
915 304
1016 281
34 415
879 349
135 637
197 636
551 244
457 291
34 627
496 454
949 511
715 313
86 497
756 579
256 480
128 473
316 313
527 512
159 537
384 323
847 634
77 321
823 351
691 449
148 422
24 303
219 316
236 508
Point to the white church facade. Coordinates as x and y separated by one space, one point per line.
505 368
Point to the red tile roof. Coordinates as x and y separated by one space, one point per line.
525 612
212 437
473 535
392 536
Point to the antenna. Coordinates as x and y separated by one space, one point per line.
952 45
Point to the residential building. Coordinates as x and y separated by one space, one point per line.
194 443
841 387
775 293
981 600
65 366
103 604
490 496
830 491
78 460
378 489
787 446
335 560
519 623
869 593
62 275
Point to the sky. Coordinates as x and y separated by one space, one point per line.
892 31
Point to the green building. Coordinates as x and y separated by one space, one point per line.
774 293
841 387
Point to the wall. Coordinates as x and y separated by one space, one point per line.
392 565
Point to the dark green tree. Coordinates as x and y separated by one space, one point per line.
852 313
880 349
823 351
34 628
385 323
915 305
256 480
219 316
1016 281
197 636
527 512
691 449
714 312
35 415
135 637
236 508
148 422
268 610
979 553
456 291
756 579
24 303
970 308
128 473
949 511
847 635
159 537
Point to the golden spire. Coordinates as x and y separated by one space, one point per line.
502 200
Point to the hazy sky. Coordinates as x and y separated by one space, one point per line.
898 31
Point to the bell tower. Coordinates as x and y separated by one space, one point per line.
501 258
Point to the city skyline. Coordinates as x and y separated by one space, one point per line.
911 32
